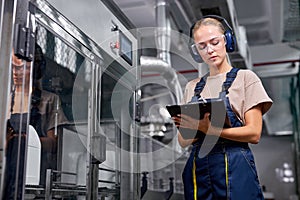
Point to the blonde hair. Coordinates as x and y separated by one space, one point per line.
208 21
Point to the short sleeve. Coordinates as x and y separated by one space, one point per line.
255 93
189 91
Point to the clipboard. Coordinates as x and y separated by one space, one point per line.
215 106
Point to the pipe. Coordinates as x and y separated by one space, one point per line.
151 64
163 33
162 63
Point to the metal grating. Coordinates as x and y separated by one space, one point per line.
291 21
65 56
41 37
55 49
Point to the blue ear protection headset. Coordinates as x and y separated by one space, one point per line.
229 36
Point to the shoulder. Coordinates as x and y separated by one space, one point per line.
189 90
247 76
192 83
247 73
49 96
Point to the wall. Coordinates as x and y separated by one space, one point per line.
271 153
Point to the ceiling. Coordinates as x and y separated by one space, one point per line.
266 21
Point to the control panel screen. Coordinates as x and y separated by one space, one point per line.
125 48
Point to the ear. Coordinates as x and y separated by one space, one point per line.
225 39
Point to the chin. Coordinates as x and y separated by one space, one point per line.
214 63
217 62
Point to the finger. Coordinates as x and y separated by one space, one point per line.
185 117
207 116
176 119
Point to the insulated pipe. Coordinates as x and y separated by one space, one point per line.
163 33
151 64
162 64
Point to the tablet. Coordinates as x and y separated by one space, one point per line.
216 108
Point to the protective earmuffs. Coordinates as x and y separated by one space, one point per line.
229 37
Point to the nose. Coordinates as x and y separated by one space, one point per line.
18 74
18 70
209 49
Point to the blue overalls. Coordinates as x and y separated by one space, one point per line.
228 171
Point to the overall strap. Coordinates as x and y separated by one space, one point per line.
199 87
230 76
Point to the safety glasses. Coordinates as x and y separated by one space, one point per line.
215 43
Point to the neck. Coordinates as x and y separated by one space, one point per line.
222 68
20 89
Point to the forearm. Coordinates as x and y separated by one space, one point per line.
242 134
184 142
250 132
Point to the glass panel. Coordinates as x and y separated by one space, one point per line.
109 170
17 128
116 116
83 110
60 110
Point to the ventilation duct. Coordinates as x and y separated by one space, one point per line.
162 63
241 57
291 32
291 21
163 33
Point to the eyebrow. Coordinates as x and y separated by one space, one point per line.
20 66
209 40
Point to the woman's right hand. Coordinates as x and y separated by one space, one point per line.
185 121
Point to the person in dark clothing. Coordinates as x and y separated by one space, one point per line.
29 105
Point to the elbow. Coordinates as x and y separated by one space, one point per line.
254 141
255 138
182 142
254 134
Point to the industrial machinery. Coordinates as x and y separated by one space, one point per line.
94 77
113 137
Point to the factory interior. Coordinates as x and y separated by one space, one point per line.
108 69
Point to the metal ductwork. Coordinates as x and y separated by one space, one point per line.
151 64
291 31
163 33
241 57
162 63
291 21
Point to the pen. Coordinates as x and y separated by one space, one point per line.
201 98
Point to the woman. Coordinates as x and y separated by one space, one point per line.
228 170
45 115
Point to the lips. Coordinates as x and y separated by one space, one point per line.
213 57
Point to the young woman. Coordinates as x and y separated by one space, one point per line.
227 170
45 115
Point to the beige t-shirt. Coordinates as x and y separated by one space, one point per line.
245 92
